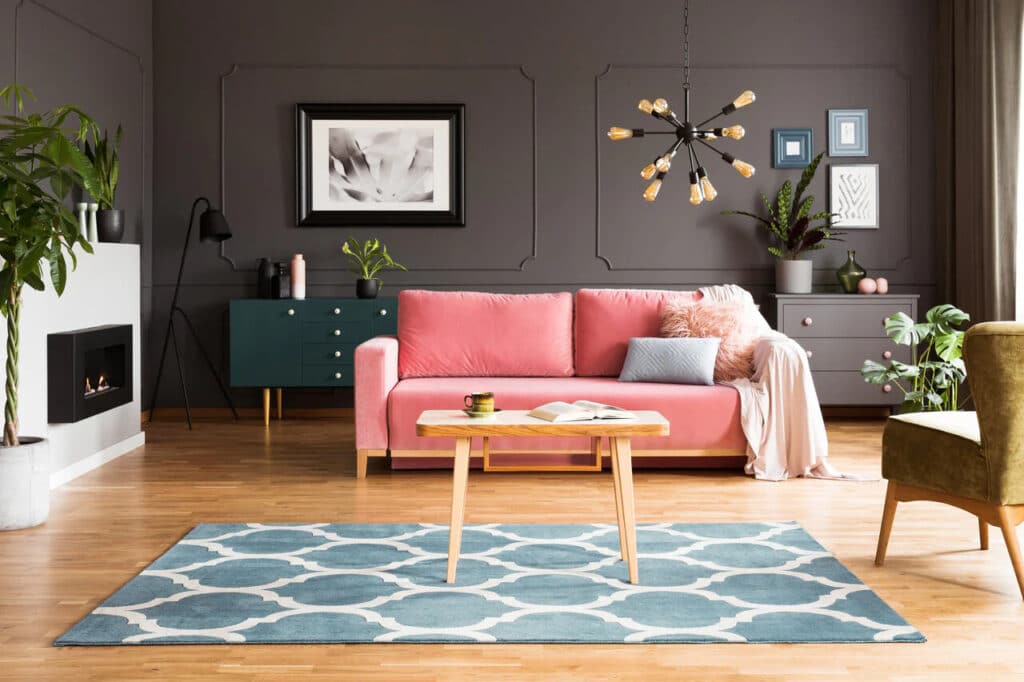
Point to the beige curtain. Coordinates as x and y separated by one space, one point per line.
978 79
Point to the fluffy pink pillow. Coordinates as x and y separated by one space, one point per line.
736 324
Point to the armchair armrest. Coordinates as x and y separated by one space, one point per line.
376 373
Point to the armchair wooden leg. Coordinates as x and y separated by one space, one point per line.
888 514
1009 528
983 533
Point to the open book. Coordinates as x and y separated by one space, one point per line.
579 411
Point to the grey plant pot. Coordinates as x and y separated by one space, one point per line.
24 484
793 276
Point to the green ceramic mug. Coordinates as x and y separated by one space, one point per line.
479 402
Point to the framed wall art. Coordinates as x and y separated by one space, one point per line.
792 147
853 195
379 165
847 132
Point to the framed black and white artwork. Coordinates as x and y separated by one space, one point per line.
379 165
854 195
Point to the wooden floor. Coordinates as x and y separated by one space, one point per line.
109 524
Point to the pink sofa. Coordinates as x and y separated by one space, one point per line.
529 349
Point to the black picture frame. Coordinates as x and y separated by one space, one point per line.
306 216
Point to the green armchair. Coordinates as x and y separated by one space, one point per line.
971 460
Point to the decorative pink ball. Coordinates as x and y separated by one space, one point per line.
867 286
883 285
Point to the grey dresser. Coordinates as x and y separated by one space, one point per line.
839 332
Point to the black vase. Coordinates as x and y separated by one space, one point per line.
265 279
110 225
367 288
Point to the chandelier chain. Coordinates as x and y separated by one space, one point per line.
686 44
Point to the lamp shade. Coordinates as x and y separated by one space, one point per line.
213 226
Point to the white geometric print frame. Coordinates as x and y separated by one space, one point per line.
853 195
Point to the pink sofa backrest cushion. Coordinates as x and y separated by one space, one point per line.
471 334
606 319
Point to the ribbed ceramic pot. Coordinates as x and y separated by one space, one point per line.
850 273
793 276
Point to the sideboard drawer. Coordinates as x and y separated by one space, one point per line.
327 353
853 320
326 332
850 354
849 388
327 375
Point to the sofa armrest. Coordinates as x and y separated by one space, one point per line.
376 373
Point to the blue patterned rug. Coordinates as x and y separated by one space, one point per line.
318 583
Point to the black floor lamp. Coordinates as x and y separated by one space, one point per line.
212 228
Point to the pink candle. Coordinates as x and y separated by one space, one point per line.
298 277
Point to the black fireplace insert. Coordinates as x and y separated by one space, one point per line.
89 372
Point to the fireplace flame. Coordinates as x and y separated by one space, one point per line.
101 385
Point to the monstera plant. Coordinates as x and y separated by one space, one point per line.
933 382
40 163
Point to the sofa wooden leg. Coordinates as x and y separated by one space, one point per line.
1007 524
983 533
888 514
362 458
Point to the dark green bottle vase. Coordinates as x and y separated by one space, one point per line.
851 273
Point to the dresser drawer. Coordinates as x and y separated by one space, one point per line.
326 375
853 320
849 388
850 354
327 353
327 332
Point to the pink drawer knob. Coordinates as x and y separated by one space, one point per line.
887 389
887 355
807 322
809 353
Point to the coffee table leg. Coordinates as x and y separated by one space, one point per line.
460 477
623 547
624 454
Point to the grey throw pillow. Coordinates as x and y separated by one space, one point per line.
671 361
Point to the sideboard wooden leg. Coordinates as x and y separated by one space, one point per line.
280 413
266 407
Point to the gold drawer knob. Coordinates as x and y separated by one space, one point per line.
337 353
337 375
807 322
887 389
337 332
887 355
337 311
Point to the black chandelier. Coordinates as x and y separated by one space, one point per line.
687 134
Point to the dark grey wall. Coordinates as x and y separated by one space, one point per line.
97 54
551 203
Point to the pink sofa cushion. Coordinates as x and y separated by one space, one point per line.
702 417
606 319
471 334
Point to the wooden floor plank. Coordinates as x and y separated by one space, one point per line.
109 524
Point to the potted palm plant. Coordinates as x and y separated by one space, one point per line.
107 168
39 165
367 259
795 231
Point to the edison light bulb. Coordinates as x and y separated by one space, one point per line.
743 168
651 193
695 196
645 106
709 190
617 133
660 105
735 132
664 163
745 98
648 171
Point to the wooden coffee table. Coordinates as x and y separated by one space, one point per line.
456 424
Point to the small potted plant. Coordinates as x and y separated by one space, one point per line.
795 231
367 259
39 164
107 168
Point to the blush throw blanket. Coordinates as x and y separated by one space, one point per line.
779 409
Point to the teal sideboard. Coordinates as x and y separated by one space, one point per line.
284 343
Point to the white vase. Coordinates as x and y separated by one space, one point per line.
83 225
24 484
793 276
93 231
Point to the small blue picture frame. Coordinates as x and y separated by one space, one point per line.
792 147
847 132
